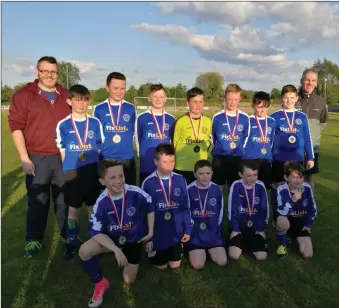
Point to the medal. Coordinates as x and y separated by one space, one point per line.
82 157
250 206
233 145
196 135
202 226
116 139
122 239
168 215
160 133
292 139
263 135
121 220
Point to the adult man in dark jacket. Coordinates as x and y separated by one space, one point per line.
33 115
315 108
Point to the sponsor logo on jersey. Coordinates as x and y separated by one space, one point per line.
109 128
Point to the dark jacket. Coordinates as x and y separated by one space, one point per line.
316 110
32 113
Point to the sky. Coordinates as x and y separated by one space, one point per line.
258 45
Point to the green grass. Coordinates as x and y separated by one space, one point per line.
48 281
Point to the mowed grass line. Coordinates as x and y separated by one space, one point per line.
49 281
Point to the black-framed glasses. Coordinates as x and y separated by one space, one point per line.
47 72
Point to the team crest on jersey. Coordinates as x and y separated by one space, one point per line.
177 192
213 201
305 203
166 126
204 130
298 121
90 134
240 128
126 117
269 130
131 211
256 200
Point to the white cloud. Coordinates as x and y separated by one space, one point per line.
84 67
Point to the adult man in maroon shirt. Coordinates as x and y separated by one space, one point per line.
33 115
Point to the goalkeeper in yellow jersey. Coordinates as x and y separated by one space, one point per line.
192 135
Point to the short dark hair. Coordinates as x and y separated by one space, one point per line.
79 91
115 75
261 97
106 163
164 149
293 166
289 88
193 93
48 59
201 164
156 87
248 163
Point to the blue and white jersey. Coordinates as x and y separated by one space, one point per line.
68 142
260 139
118 141
292 146
172 217
240 209
304 209
207 212
148 137
107 218
222 131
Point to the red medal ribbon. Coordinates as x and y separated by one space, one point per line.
81 142
112 115
202 209
121 220
262 135
196 136
167 200
235 126
290 126
250 206
160 133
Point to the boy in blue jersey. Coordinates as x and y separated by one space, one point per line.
172 210
117 117
260 141
230 130
153 127
117 225
79 138
207 211
292 140
296 209
248 214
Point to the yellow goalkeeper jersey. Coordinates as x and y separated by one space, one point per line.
188 150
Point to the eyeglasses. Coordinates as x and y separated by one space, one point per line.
46 72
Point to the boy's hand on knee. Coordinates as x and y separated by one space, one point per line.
120 256
149 247
233 234
185 238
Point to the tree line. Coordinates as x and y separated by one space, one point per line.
211 82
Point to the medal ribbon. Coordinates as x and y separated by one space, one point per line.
161 133
235 126
81 142
262 135
196 136
110 108
202 209
167 200
290 126
250 206
121 220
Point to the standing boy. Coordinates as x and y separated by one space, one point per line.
153 127
79 139
191 135
172 210
117 117
230 130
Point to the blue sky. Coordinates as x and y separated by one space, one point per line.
170 42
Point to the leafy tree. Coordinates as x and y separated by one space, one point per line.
6 94
69 74
143 90
211 83
275 93
99 95
131 93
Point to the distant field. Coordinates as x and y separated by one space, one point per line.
50 282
